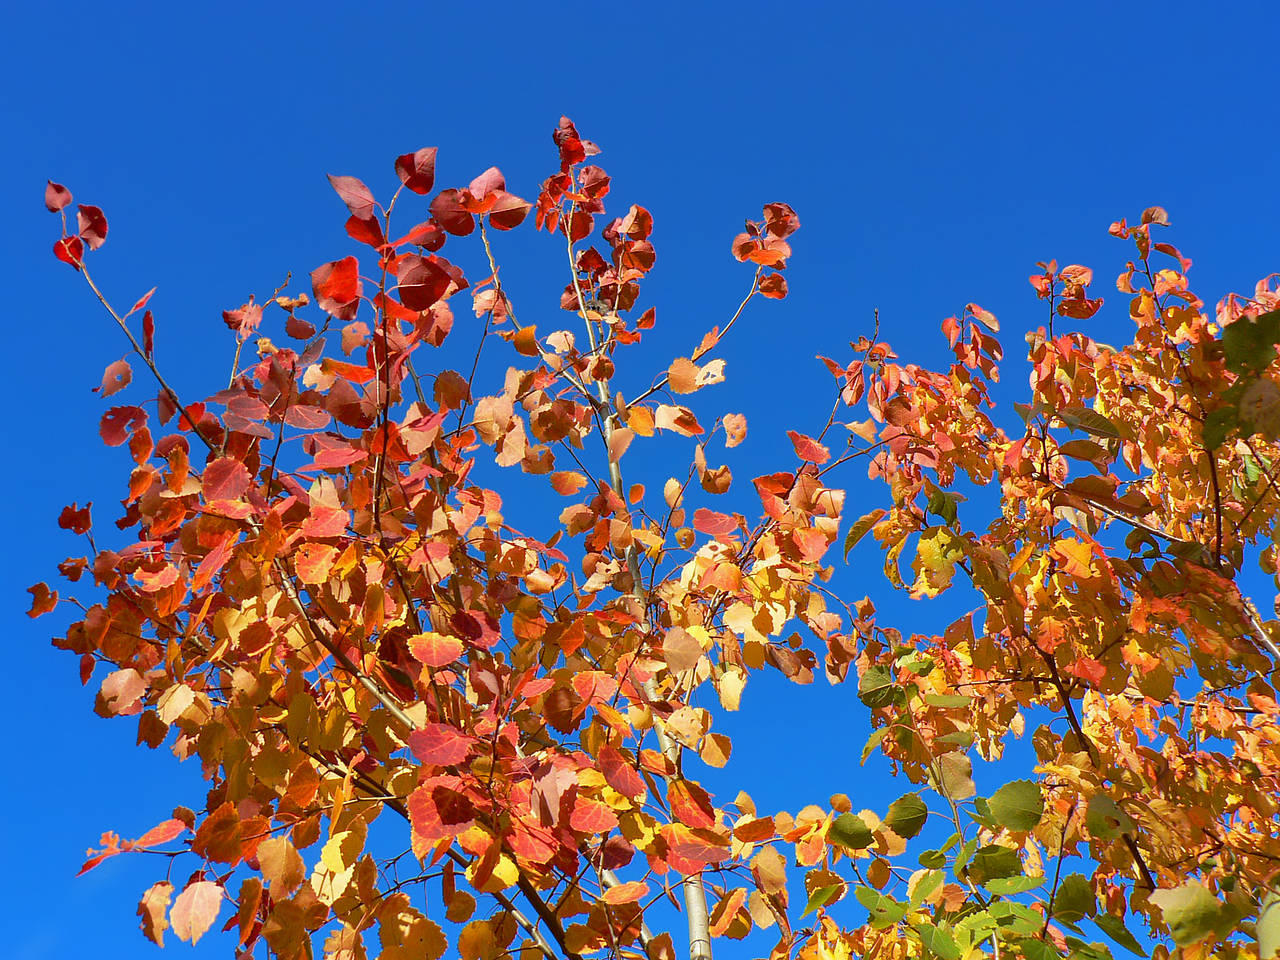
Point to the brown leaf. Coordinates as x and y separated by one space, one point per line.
152 908
282 866
682 375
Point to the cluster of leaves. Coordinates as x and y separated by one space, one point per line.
326 610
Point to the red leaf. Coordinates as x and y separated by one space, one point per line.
637 224
780 219
225 479
75 518
92 224
56 196
42 599
440 744
298 328
620 774
773 286
142 302
713 523
952 329
355 195
160 833
509 211
809 449
417 170
435 649
119 422
491 181
148 334
368 230
115 378
422 281
427 234
690 804
337 287
69 250
195 909
244 319
449 213
213 561
325 522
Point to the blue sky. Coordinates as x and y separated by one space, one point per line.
934 152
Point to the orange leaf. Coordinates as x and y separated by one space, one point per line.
619 440
435 649
567 482
628 892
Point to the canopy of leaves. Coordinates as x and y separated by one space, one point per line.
318 599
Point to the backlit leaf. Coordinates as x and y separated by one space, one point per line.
195 910
1191 911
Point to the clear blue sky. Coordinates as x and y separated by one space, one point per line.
933 151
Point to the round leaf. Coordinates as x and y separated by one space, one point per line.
907 815
1018 805
851 831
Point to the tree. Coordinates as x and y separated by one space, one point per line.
326 609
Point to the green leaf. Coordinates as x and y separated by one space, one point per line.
1104 819
907 815
1074 899
1034 949
1084 418
962 858
932 859
925 886
939 943
961 738
1087 951
850 831
884 910
994 862
873 741
943 504
1018 805
876 687
947 700
860 529
1269 926
1218 425
1249 342
1191 911
1016 917
1006 886
1114 928
820 898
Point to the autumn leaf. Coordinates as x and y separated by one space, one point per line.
195 910
115 378
435 649
152 908
355 195
417 170
439 744
622 893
